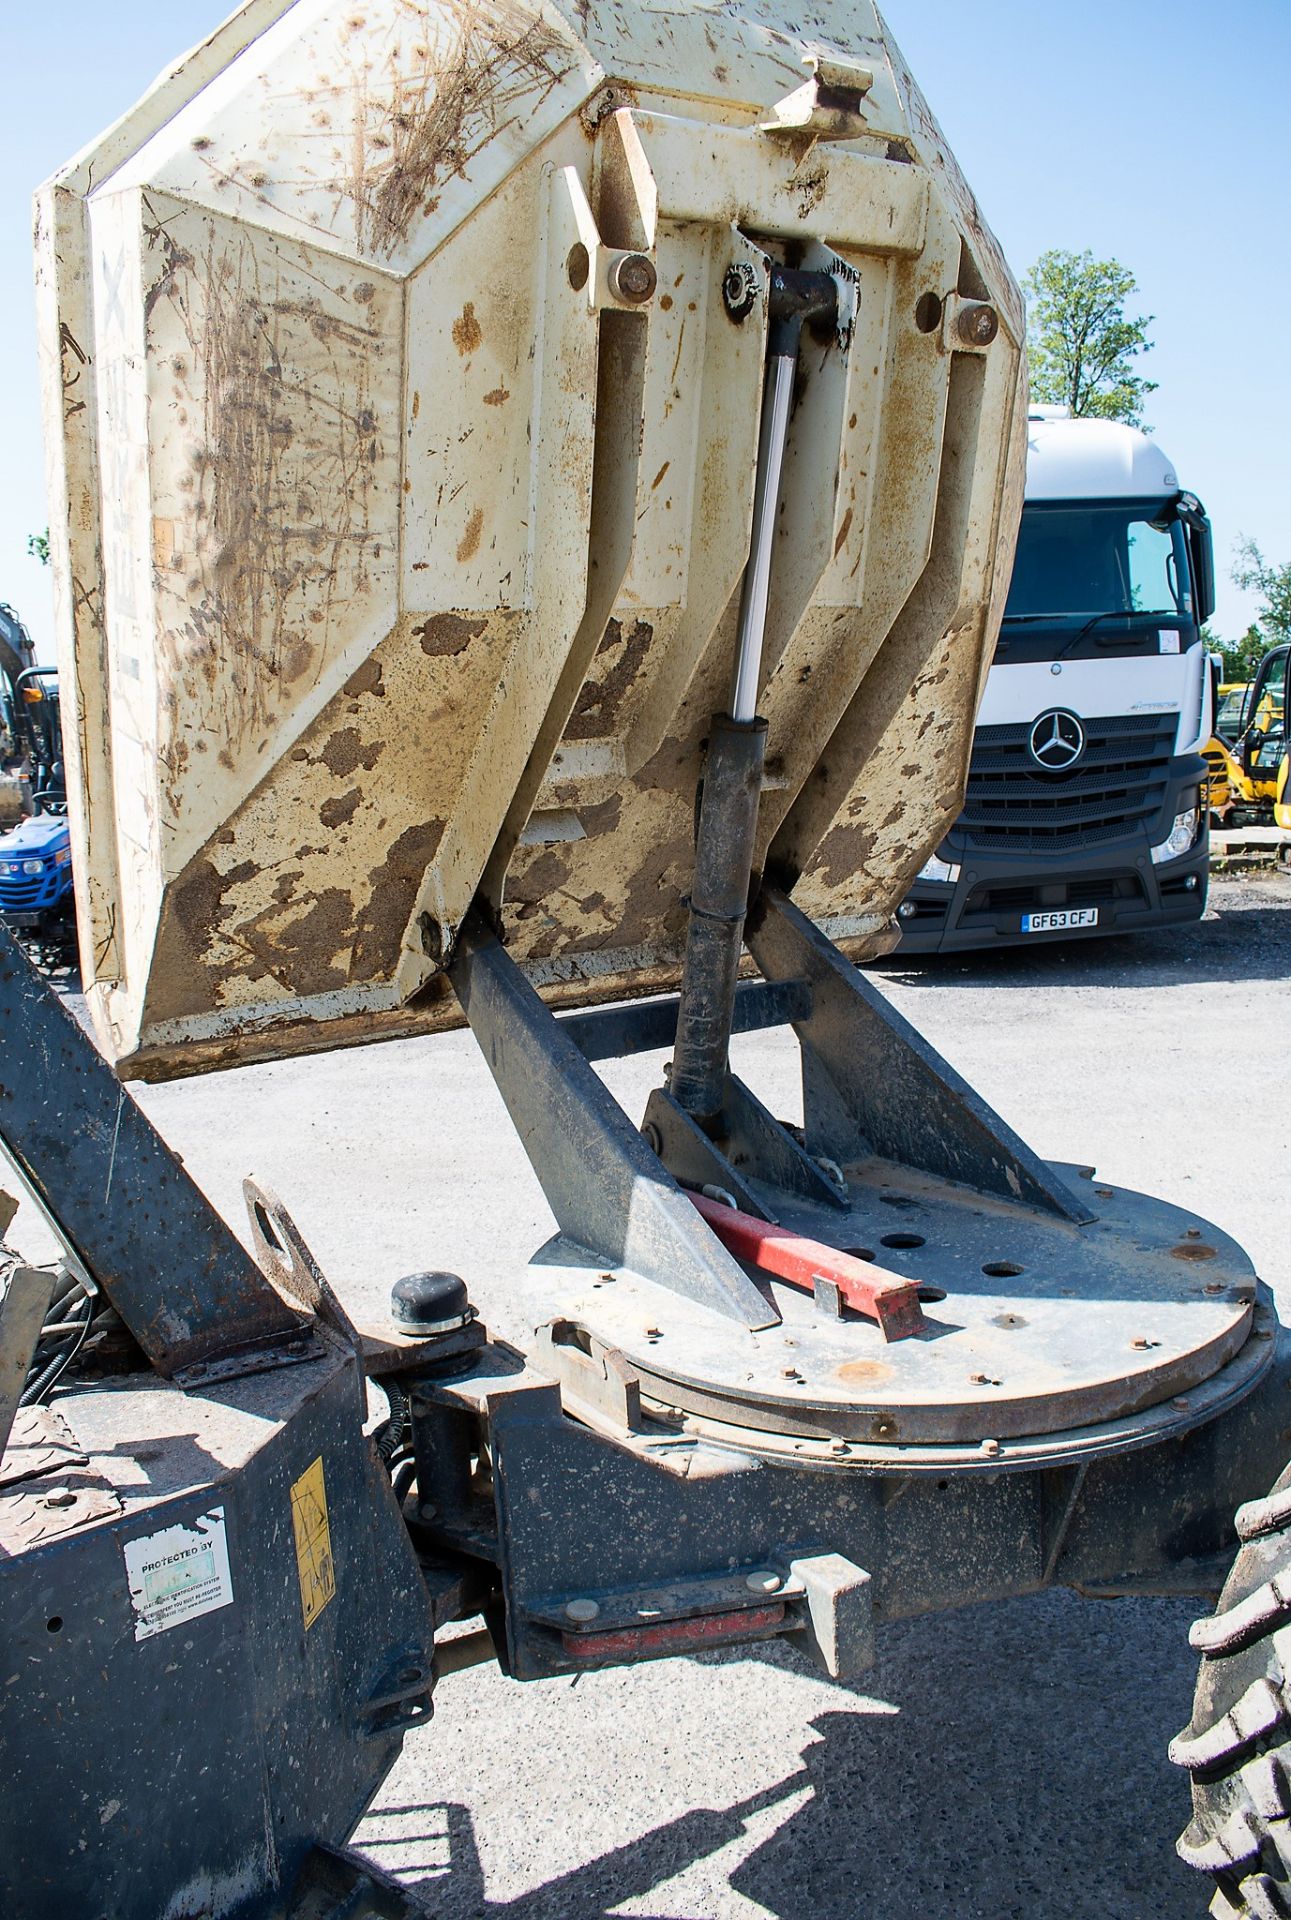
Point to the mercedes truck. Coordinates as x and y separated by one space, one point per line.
1085 807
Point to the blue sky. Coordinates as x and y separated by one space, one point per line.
1158 134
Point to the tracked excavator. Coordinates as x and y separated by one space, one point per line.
533 490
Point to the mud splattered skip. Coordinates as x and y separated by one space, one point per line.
449 633
308 943
467 331
499 65
618 661
235 325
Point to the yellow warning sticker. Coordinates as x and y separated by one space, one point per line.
313 1541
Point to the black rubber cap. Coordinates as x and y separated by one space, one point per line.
428 1302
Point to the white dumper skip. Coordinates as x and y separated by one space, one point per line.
399 541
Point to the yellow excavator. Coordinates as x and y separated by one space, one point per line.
1270 749
1262 745
1220 750
1248 748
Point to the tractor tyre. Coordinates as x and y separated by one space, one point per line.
1238 1746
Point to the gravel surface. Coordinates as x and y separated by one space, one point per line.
1001 1761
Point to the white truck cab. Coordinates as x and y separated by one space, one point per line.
1084 811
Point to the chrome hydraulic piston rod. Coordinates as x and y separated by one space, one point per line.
732 781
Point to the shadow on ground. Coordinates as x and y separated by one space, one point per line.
884 1814
1246 935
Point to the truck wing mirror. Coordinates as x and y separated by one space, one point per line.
1201 555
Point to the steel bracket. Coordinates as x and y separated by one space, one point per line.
872 1086
609 1192
121 1201
748 1143
594 1379
837 1612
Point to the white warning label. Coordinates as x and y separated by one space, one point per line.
178 1573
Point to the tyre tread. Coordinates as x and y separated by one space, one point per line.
1237 1746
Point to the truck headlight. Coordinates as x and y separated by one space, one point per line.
936 869
1182 835
33 866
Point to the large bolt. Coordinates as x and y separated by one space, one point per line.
633 278
977 325
739 289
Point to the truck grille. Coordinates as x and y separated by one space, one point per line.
1116 787
1113 890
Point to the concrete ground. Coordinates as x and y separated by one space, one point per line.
1000 1762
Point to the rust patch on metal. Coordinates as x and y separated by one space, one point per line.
601 819
469 544
618 661
341 810
345 752
467 331
844 852
365 679
548 873
654 906
192 909
395 886
863 1373
1193 1250
297 659
844 529
448 633
199 897
497 396
305 952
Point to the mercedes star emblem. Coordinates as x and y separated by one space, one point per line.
1057 740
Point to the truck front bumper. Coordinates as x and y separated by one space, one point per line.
987 905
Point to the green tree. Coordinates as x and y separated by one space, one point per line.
1240 657
1253 573
38 546
1081 344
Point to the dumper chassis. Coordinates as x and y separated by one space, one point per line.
770 1379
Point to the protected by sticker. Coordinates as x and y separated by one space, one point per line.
179 1573
313 1542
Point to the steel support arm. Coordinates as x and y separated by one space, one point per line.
184 1285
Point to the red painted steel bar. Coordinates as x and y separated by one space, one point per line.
694 1633
882 1296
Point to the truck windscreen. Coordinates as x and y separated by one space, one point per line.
1077 559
